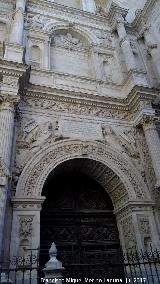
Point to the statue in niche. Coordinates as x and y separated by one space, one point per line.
69 41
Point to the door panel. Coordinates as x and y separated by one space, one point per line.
78 216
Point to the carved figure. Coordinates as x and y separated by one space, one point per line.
122 140
128 143
36 135
38 21
110 137
68 41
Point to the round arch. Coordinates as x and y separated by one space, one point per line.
37 170
52 27
135 203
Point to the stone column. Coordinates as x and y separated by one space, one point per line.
7 110
89 6
14 49
17 27
153 142
152 49
125 44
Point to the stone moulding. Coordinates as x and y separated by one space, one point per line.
36 171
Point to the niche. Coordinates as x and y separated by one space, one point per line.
70 54
35 56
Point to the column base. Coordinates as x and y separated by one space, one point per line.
14 52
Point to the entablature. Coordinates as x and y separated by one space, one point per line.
62 101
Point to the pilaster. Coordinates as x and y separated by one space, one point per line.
147 121
9 99
152 48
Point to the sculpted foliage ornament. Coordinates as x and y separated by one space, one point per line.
75 108
25 227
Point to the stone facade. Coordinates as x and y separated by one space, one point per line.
79 81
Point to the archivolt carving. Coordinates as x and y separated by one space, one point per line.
40 166
55 27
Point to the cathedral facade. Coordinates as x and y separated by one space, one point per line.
79 125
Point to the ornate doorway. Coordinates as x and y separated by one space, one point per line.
78 216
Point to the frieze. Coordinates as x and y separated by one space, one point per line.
75 108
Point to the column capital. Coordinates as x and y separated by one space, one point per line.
4 171
27 204
9 102
149 120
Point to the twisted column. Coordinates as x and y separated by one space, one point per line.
125 44
153 142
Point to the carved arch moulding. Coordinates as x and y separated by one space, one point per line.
37 170
52 27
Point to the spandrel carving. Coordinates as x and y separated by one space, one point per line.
34 135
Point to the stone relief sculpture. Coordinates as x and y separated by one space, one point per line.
68 41
39 135
36 135
110 137
122 140
38 22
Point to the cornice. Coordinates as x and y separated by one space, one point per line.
115 11
141 16
137 95
12 68
68 12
